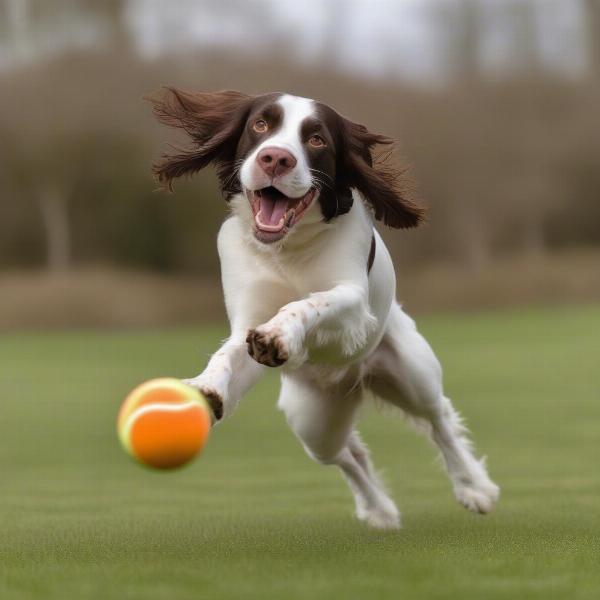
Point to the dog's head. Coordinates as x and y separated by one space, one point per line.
285 155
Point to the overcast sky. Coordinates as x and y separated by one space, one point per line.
397 38
376 37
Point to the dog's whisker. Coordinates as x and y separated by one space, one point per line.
313 170
237 165
321 183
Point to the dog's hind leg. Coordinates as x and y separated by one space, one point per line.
323 420
404 371
389 517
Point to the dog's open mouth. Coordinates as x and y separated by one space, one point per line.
275 213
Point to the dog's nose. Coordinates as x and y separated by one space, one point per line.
276 161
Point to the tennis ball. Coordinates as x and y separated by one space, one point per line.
164 423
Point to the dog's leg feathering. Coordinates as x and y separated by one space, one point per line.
405 372
341 313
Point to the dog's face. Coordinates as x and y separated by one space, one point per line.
284 154
285 163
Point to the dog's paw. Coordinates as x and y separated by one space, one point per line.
267 345
382 517
213 397
478 497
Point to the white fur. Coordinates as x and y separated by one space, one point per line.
343 334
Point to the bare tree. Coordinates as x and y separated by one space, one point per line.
18 24
592 20
525 50
112 13
464 32
53 204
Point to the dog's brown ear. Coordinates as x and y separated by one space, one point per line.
214 123
382 184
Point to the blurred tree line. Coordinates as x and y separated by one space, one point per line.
506 164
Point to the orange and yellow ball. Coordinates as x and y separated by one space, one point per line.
164 423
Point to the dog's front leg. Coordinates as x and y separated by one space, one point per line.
341 312
230 373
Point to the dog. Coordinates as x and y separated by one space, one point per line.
309 285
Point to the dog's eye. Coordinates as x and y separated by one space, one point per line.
260 126
316 141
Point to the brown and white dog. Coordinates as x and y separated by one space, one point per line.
309 285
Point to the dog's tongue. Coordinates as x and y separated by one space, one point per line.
272 211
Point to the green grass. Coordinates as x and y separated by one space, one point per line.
255 518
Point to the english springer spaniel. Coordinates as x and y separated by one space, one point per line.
309 285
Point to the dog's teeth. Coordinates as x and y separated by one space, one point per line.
289 216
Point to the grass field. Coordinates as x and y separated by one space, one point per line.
254 518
